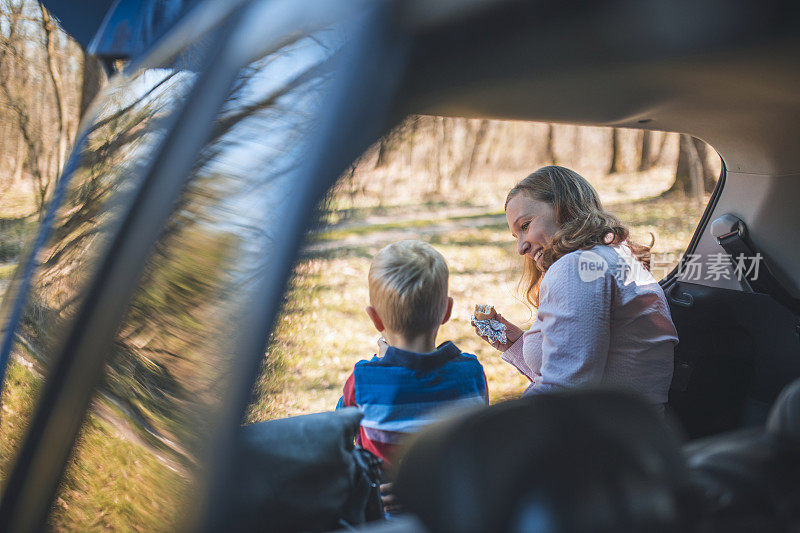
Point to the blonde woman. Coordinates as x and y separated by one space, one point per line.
602 319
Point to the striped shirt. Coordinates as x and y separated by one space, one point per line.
403 391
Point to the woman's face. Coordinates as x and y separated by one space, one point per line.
533 224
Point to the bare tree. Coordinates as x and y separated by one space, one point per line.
48 29
476 132
709 179
645 161
551 154
92 80
38 90
660 152
691 170
613 167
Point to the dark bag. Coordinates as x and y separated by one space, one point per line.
304 473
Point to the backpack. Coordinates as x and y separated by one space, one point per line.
305 473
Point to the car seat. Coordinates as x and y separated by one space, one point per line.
575 461
601 461
749 480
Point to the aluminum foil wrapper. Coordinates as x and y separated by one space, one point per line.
492 329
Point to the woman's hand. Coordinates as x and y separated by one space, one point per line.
513 333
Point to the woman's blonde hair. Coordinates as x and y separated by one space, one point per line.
582 220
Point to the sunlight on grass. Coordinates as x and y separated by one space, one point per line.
7 270
113 484
20 391
110 483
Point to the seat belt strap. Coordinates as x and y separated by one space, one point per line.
734 240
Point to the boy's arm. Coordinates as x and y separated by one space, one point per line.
348 398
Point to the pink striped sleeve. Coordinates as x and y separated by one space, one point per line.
514 356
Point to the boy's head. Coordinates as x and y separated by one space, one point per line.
408 288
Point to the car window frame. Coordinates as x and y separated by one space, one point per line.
78 362
668 281
39 465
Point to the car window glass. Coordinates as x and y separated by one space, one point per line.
150 419
132 116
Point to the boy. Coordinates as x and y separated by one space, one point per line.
400 390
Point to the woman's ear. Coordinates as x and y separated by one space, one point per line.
376 319
449 309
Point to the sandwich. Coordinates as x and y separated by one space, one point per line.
485 312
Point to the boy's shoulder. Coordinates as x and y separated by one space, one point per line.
462 356
470 356
446 353
373 359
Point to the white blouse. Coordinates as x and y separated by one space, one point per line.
602 320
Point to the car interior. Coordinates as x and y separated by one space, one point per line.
196 162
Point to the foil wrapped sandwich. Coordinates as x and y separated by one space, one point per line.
485 319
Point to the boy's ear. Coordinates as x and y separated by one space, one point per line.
449 309
376 319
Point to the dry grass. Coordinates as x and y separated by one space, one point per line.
111 483
114 484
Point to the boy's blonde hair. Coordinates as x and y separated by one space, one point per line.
408 287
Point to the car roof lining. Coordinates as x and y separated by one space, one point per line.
729 78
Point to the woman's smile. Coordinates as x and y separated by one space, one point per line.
533 223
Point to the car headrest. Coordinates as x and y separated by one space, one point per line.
746 480
784 418
577 461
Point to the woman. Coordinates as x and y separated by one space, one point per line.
602 318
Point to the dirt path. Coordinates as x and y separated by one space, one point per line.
358 234
122 421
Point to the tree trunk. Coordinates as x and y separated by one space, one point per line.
19 161
383 152
661 145
682 182
709 179
48 26
408 135
696 171
577 145
690 169
441 157
93 80
645 161
613 168
477 141
551 154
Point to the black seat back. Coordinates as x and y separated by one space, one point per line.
784 419
579 461
748 480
